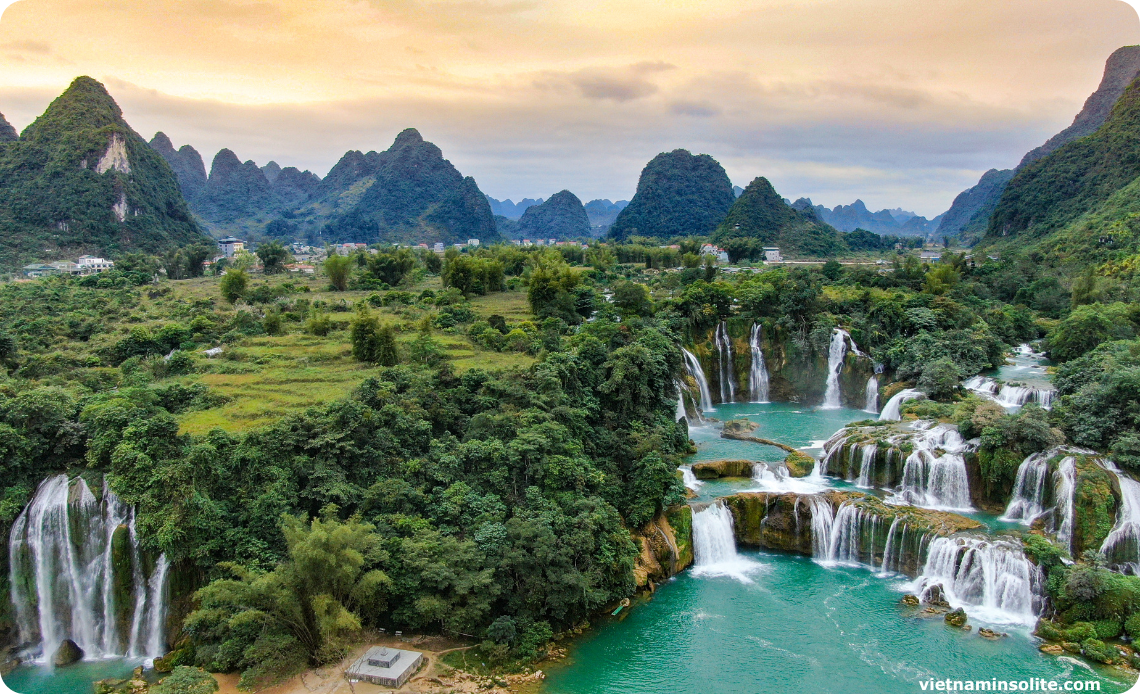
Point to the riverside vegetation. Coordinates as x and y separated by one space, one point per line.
487 444
464 446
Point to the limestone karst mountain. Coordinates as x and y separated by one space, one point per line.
7 132
762 216
561 217
678 194
969 215
80 180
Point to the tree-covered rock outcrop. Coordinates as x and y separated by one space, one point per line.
7 132
761 215
678 194
186 163
1055 190
80 180
561 217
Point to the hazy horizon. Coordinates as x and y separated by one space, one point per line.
900 105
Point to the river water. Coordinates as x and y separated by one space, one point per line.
790 624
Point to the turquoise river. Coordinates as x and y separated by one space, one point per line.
789 624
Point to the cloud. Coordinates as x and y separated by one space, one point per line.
897 104
697 109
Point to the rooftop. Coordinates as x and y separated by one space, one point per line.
383 665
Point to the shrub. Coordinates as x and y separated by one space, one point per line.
186 680
338 268
233 285
319 324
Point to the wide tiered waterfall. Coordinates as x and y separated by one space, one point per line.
758 376
991 576
727 372
1009 395
836 352
891 411
1122 546
693 366
934 475
714 545
77 573
851 536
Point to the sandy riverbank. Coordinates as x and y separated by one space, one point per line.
433 676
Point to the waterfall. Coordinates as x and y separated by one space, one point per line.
931 480
693 366
727 372
981 385
889 548
992 577
1027 501
822 519
690 480
872 403
1122 546
714 545
681 413
758 376
1065 490
835 354
69 551
866 464
891 409
778 480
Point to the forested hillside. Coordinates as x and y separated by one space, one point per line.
80 180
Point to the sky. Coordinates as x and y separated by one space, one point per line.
900 103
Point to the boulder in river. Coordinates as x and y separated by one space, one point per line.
991 634
956 618
934 596
910 600
740 426
68 653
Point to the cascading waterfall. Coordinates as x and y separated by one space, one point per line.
689 479
891 411
992 576
822 518
1122 546
835 354
981 385
1066 488
1010 395
680 414
727 372
889 547
1018 396
872 402
714 545
845 539
931 480
758 376
693 366
866 464
69 552
1028 499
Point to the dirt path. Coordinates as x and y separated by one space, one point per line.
433 677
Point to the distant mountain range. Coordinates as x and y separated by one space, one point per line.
896 222
511 210
407 193
969 216
80 180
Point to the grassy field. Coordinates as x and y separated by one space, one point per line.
266 377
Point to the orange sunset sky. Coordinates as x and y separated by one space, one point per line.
900 103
